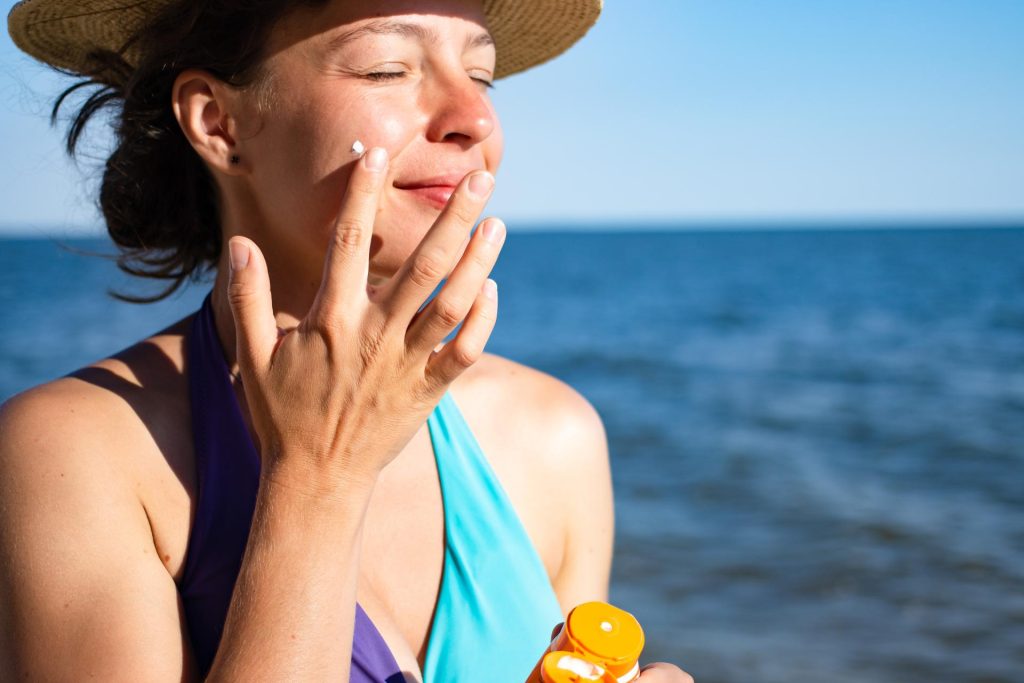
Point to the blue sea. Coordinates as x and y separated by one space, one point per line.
817 436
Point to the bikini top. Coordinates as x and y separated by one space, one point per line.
496 607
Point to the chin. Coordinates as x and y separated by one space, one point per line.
397 237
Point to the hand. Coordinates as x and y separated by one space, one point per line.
661 672
341 394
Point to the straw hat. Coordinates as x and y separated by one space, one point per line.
63 32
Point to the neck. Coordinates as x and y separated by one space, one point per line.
295 268
292 298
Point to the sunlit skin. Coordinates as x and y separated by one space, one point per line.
337 519
415 84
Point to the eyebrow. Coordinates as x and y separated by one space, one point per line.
404 29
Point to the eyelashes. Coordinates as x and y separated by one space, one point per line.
385 76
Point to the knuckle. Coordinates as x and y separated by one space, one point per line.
449 313
464 355
325 321
331 319
239 294
348 236
427 269
325 328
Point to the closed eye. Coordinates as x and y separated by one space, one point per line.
381 76
384 75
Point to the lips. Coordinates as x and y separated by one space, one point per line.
436 190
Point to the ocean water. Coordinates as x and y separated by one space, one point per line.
817 436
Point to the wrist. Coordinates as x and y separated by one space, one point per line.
311 486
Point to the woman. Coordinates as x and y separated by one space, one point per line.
283 486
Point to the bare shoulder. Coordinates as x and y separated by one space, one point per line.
63 448
548 446
96 436
110 429
121 402
562 424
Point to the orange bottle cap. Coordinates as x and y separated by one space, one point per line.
607 635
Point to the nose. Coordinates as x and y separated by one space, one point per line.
461 112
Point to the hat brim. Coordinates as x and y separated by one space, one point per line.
63 33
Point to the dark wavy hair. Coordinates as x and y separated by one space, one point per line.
158 200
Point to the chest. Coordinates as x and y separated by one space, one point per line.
402 556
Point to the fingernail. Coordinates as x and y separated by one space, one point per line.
491 289
238 255
376 159
494 231
481 183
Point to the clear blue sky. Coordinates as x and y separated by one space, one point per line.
711 110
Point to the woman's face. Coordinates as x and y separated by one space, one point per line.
407 75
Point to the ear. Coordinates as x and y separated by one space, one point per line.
204 106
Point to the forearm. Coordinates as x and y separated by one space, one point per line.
293 608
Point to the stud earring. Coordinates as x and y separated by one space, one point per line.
235 159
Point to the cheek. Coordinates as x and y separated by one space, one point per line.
304 158
386 130
494 148
329 130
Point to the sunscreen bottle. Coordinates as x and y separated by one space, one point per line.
598 642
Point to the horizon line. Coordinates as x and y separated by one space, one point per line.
651 224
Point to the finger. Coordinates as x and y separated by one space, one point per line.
662 672
346 265
445 311
433 258
468 345
251 305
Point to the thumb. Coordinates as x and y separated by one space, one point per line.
251 306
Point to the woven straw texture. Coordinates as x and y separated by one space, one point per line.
63 32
